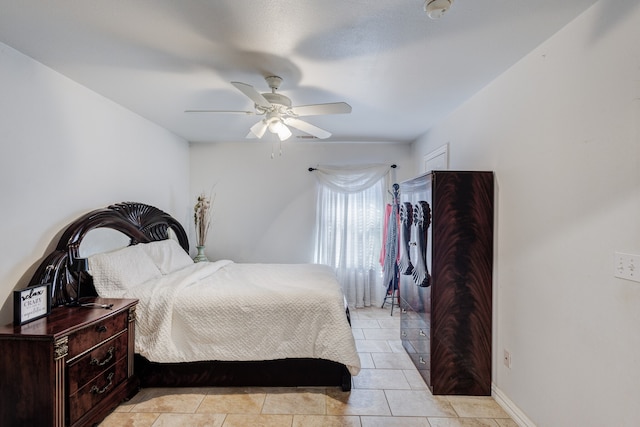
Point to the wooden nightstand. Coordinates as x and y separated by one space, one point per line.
70 368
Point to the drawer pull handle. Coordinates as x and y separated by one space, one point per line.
422 334
97 390
102 328
96 362
422 361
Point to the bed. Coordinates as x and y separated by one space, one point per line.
208 324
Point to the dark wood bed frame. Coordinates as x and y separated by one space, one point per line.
142 224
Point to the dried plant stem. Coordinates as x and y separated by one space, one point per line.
202 217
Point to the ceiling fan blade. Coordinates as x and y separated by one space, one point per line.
219 111
320 109
253 94
307 127
258 130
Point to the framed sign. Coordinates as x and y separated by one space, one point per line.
31 303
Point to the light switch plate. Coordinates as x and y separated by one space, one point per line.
626 266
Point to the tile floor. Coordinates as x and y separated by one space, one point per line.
388 392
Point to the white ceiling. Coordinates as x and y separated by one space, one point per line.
399 70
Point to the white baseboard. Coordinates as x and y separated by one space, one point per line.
510 408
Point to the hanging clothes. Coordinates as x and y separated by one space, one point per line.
390 245
385 228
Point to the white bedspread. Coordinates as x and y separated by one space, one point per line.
232 311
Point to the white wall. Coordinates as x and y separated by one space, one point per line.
64 151
562 131
265 208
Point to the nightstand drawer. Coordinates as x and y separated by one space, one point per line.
94 334
99 388
91 364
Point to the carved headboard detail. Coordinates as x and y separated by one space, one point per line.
141 223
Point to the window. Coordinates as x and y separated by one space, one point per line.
349 229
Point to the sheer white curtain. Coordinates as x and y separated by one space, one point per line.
349 226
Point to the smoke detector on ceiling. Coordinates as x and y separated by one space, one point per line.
436 8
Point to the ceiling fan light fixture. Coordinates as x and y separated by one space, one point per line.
275 126
280 129
436 8
274 123
258 129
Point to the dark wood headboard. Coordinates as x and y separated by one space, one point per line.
141 223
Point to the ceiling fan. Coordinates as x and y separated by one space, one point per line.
279 113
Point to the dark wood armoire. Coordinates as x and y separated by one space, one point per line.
445 265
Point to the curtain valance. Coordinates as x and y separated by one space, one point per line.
350 179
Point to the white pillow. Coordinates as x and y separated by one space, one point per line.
115 272
167 255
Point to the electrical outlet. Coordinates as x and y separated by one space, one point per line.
626 266
507 359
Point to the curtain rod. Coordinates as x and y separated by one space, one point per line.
313 169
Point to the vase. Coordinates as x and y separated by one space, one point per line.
200 256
